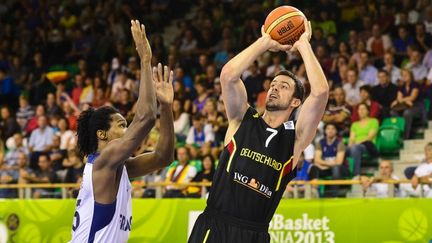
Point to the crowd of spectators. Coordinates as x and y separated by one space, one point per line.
376 54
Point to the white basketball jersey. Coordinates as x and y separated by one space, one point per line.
94 222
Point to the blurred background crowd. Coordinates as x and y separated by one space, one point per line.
57 58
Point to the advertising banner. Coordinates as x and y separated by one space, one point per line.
171 220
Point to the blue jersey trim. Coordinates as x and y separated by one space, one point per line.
102 216
92 157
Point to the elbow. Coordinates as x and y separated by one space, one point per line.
227 74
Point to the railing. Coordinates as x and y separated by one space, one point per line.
24 190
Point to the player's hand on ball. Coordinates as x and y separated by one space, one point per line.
162 81
141 43
273 45
305 37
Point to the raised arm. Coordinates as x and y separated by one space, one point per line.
313 107
164 151
233 90
118 150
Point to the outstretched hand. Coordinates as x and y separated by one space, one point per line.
162 81
141 43
273 45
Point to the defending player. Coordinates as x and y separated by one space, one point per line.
261 152
103 209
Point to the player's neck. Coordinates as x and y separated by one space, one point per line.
276 118
101 145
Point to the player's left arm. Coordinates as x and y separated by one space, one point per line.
313 107
164 151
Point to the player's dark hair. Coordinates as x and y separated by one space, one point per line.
89 122
299 91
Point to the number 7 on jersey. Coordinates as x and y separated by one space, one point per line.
273 133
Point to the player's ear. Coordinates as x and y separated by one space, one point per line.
101 134
295 102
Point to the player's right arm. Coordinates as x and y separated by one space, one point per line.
233 90
118 150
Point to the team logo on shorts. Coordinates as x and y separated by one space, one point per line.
252 184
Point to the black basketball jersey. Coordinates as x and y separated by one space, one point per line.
254 170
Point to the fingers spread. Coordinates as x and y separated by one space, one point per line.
171 77
160 72
166 74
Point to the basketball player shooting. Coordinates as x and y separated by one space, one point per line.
103 209
261 152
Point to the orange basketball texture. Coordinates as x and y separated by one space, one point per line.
285 24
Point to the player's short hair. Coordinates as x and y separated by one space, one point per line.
89 122
299 91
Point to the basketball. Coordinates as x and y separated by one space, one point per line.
285 24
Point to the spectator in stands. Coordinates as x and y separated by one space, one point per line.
40 141
32 124
260 102
362 137
8 91
217 120
11 158
379 43
181 172
408 103
25 112
67 137
384 93
201 99
329 157
44 174
391 69
121 82
253 83
417 68
73 165
338 71
401 43
423 174
181 121
206 175
123 103
367 72
87 93
275 67
339 113
8 124
200 132
352 88
12 175
365 95
306 171
428 19
373 185
51 107
56 154
423 39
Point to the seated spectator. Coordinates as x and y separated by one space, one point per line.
339 113
25 112
51 107
392 70
67 137
379 43
419 174
123 102
181 121
362 137
12 175
180 172
306 171
8 124
201 99
200 132
261 98
372 185
329 157
43 174
423 39
365 95
40 141
57 154
275 67
253 83
206 175
10 161
384 93
416 66
32 124
74 166
352 88
216 119
403 40
367 72
408 103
